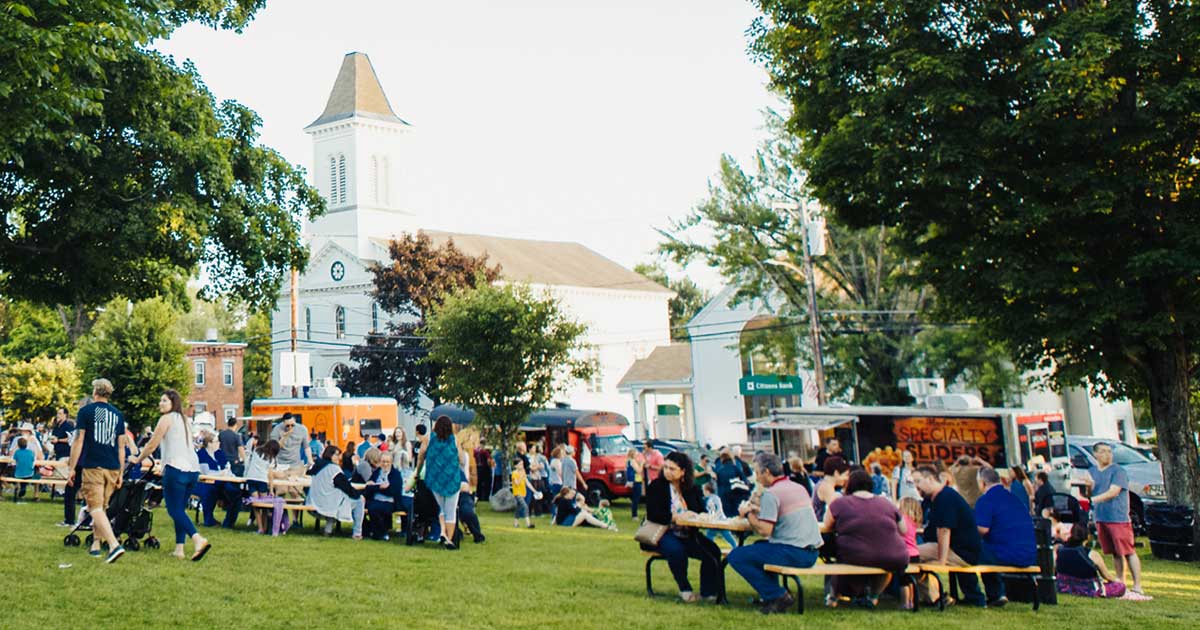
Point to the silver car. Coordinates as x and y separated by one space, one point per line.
1145 475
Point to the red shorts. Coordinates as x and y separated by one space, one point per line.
1116 539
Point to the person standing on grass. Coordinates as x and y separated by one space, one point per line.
1110 509
231 445
439 460
652 462
522 490
554 476
181 471
61 434
570 470
99 449
785 517
633 479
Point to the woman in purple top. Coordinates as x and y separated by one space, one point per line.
870 533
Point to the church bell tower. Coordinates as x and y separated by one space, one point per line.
358 151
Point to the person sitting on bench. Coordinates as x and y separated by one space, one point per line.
953 537
785 517
23 459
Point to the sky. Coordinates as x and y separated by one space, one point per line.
571 120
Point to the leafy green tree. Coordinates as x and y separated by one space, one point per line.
873 313
228 319
1040 161
34 388
965 355
256 363
32 330
504 353
137 347
689 297
418 277
121 174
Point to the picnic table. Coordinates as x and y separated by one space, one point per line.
304 482
217 478
739 526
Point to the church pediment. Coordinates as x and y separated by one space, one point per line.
334 267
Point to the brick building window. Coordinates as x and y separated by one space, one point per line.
198 370
227 373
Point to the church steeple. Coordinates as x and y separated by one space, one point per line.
356 92
359 154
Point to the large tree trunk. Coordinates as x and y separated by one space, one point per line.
1168 382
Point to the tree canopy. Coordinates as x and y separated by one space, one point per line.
505 353
34 388
874 323
419 277
1039 160
121 174
137 347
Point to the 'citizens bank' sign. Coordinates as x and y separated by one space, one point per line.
947 439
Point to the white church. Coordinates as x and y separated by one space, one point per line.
359 149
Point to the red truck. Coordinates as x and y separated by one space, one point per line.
599 441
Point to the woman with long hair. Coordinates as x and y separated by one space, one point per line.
398 446
633 478
438 465
181 471
672 497
1021 486
260 470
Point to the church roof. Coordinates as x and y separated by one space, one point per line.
356 92
547 262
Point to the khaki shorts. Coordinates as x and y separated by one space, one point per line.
98 486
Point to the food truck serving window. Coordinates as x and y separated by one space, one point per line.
367 427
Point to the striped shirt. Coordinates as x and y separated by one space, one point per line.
789 507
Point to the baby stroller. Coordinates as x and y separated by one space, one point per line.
127 512
424 518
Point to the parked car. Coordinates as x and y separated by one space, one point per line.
1145 475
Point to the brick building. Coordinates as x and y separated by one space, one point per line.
216 368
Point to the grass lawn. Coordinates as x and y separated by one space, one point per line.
578 578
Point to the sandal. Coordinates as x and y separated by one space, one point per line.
831 601
201 552
1135 596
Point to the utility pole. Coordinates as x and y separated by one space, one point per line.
295 295
814 323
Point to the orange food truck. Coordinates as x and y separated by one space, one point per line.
339 420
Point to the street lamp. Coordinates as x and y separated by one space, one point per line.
814 327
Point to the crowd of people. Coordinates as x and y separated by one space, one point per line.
962 515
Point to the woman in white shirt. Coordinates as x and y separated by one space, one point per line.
181 471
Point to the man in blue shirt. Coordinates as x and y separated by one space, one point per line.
952 538
63 428
1110 510
1004 522
99 449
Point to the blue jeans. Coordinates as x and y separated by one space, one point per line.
636 497
678 549
748 561
554 490
724 533
177 487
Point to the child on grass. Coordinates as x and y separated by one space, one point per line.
23 459
521 487
603 513
715 510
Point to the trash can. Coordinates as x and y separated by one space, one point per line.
1171 534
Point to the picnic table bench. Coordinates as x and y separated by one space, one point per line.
1033 574
836 569
37 482
651 556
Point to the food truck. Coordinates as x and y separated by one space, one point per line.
339 420
599 441
879 435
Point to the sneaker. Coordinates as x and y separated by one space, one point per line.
780 604
95 553
449 545
115 554
64 524
689 597
480 539
999 602
531 526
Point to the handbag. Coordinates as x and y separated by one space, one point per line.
649 533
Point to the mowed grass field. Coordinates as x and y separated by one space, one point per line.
545 577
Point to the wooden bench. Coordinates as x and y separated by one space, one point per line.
37 484
651 556
1033 574
298 510
836 569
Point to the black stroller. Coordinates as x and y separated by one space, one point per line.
129 513
425 516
